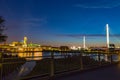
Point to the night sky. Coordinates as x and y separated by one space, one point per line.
52 22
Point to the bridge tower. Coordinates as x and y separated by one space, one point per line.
84 46
107 41
107 35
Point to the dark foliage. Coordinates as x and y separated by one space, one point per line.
3 37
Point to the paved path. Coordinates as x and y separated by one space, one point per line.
107 73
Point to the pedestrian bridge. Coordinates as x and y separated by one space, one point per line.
104 73
58 64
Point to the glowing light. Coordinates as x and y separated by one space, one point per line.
25 42
107 35
84 42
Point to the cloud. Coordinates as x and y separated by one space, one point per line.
26 22
102 6
34 22
87 35
83 6
99 4
34 19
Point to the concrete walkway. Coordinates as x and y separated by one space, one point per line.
107 73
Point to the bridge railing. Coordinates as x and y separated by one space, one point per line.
47 64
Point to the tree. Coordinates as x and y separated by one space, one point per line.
3 37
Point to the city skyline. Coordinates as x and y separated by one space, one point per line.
52 22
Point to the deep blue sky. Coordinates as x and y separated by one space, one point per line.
52 21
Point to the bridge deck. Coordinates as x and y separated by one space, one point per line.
107 73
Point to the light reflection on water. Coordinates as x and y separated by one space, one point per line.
42 55
39 55
31 56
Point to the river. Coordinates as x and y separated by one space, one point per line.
42 55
